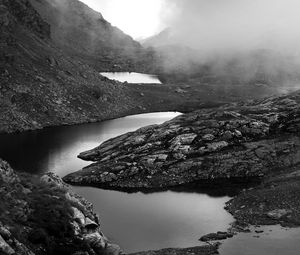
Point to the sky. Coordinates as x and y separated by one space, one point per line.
210 25
138 18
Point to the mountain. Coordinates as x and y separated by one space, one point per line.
158 40
43 84
81 31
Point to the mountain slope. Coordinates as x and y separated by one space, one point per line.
81 31
40 85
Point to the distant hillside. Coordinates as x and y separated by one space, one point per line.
158 40
83 32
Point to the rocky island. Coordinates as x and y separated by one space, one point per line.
239 141
256 140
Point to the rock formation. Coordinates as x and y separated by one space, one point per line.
240 141
41 215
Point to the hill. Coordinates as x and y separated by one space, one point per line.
43 84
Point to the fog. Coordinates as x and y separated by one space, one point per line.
243 38
220 25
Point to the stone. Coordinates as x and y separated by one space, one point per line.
90 224
217 145
278 213
5 248
208 137
78 216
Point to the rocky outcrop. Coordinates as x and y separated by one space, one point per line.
239 141
201 250
216 236
274 201
21 11
43 216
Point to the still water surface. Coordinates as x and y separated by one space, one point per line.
132 77
136 221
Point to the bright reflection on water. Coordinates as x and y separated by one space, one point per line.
135 221
132 77
56 149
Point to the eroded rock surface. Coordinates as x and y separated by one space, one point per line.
238 141
43 216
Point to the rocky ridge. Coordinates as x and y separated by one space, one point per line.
41 215
243 141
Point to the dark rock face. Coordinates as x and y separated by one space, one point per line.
216 236
43 216
244 140
22 11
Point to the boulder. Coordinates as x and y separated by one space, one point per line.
278 213
5 248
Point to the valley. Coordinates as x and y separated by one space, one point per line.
197 150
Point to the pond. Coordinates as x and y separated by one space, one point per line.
136 221
132 77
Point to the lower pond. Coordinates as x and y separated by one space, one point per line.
136 221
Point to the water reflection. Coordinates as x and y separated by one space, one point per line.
56 149
136 221
141 221
132 77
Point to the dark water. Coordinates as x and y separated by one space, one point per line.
132 77
136 221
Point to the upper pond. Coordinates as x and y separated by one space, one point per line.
132 77
136 221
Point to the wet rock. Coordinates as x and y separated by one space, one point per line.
216 236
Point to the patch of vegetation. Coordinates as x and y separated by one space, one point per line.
39 216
